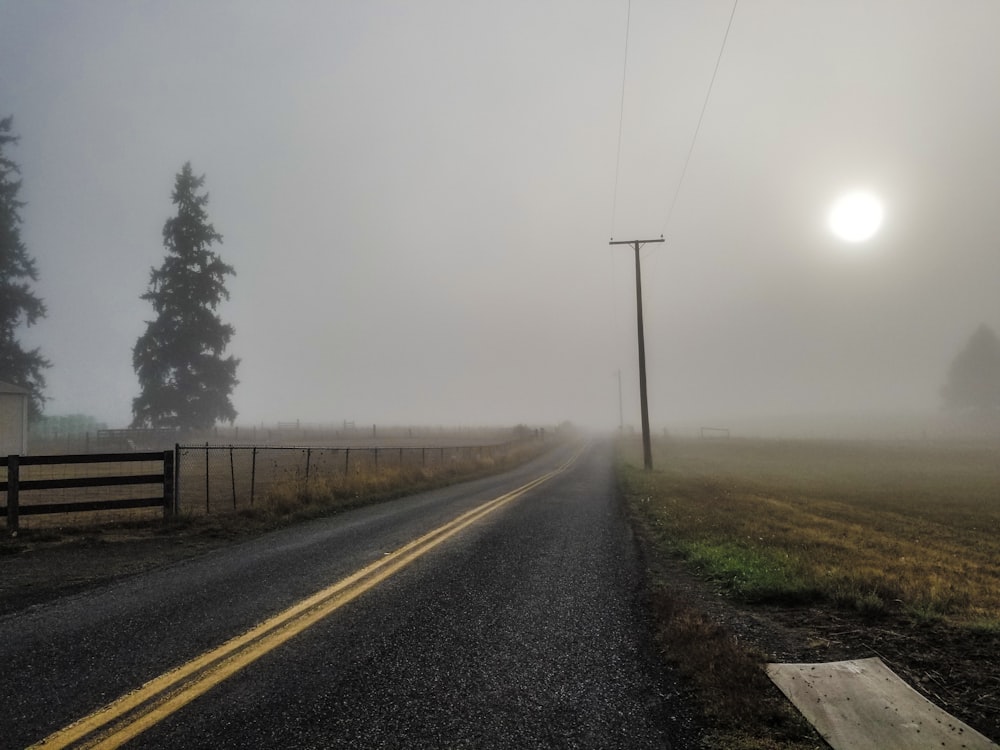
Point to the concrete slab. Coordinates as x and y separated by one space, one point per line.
862 704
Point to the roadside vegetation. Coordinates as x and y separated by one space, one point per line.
297 499
862 532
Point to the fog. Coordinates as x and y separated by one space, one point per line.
418 199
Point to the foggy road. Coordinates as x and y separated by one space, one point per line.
516 625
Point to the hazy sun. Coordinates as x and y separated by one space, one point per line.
855 217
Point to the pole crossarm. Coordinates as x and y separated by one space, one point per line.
640 243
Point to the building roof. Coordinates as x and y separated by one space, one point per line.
13 389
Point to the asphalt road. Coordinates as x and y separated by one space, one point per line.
523 629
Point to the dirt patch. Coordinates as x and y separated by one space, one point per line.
37 567
956 668
721 645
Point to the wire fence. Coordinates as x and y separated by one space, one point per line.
212 479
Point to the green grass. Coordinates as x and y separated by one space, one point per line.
754 574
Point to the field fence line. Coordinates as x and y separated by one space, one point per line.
211 479
213 475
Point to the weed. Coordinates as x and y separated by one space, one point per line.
754 574
985 626
870 604
742 706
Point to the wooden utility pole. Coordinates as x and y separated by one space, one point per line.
647 448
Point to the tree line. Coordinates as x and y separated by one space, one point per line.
186 380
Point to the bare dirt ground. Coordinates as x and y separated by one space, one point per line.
39 566
958 669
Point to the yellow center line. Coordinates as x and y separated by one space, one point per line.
136 711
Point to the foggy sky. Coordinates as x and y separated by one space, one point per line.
418 198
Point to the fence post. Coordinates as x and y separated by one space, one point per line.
400 458
253 472
308 460
207 505
13 478
347 458
177 479
168 484
232 475
376 459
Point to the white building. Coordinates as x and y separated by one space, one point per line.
13 420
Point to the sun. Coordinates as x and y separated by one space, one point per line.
856 216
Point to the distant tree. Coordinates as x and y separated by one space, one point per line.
185 381
18 304
974 377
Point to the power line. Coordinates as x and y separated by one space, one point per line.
621 118
704 106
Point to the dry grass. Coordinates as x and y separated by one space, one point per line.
296 497
742 710
226 479
867 526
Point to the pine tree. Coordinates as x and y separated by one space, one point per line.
18 304
974 376
185 381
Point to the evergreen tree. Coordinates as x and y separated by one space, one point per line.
185 381
974 376
18 304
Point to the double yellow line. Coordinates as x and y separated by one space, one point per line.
133 713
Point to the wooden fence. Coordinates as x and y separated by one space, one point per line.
14 486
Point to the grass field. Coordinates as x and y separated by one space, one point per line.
839 550
860 525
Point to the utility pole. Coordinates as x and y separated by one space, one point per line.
647 448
